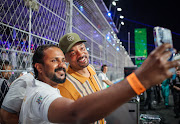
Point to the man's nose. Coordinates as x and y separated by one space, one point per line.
62 64
79 53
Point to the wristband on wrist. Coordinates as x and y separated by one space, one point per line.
135 84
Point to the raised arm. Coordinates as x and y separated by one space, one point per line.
93 107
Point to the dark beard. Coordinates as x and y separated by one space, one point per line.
58 80
83 66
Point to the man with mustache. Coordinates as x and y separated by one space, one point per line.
44 104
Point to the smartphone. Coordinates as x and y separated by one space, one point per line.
161 36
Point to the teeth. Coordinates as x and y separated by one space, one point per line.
82 59
61 73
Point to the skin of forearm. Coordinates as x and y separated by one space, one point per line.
177 88
98 105
9 118
108 82
90 108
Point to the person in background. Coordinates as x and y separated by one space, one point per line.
13 58
158 93
4 76
103 77
148 101
44 104
11 105
4 55
5 65
165 91
176 93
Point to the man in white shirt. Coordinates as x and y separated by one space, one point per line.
44 104
11 106
13 57
103 77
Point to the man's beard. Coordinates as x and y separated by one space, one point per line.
56 79
83 66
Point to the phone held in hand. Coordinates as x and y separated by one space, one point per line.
161 36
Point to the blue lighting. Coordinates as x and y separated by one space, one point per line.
109 14
81 8
87 49
117 48
107 37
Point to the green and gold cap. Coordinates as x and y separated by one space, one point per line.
68 41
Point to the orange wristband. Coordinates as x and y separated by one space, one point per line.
135 84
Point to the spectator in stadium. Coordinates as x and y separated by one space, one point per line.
165 91
4 55
103 77
7 67
4 76
13 58
43 103
11 105
158 93
4 84
81 79
148 101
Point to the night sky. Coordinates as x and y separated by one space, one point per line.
147 14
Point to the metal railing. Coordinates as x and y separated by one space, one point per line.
26 24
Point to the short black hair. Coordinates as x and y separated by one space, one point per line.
4 63
102 67
39 54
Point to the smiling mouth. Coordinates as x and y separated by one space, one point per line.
82 59
61 73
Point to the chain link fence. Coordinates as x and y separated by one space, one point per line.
26 24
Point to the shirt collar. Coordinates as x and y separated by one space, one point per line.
78 76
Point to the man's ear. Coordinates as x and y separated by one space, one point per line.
38 66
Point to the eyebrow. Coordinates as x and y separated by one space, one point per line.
79 44
82 44
57 57
70 51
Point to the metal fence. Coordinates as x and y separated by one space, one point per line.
26 24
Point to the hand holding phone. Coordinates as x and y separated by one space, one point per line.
161 36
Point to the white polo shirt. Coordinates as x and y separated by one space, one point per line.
14 98
102 76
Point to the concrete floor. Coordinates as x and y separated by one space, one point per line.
167 114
